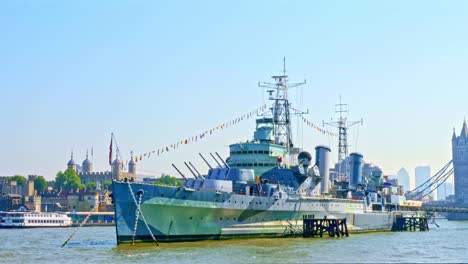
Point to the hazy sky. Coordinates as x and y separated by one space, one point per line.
155 72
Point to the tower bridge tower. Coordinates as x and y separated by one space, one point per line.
460 164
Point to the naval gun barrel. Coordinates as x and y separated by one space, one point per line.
199 175
225 164
205 161
190 169
181 174
219 164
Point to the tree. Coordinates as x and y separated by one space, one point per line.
107 184
167 180
40 184
20 180
91 185
68 180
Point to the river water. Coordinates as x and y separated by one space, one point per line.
447 243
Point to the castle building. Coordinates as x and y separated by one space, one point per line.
87 175
460 164
87 165
71 164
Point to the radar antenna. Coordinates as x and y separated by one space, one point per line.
342 124
281 109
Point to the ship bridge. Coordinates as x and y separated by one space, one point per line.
260 154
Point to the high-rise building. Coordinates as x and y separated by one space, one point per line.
404 179
422 174
444 190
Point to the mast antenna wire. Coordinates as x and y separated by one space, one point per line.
281 111
343 125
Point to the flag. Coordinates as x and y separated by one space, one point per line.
110 152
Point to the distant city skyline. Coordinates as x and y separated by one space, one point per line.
404 179
155 73
422 174
444 190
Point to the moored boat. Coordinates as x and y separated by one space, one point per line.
265 188
31 219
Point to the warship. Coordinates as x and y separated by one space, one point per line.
263 189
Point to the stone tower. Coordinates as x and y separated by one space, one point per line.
87 165
117 167
132 166
71 164
460 164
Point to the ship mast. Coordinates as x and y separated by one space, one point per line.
342 124
281 109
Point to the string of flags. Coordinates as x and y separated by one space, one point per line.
197 137
317 128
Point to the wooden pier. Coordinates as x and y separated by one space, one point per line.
317 227
411 223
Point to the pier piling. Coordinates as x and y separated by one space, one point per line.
412 223
317 227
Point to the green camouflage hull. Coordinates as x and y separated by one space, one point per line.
179 214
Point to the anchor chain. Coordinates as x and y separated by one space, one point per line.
141 213
81 224
136 219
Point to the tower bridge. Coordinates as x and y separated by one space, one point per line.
458 167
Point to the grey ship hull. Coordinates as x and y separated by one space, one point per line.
180 214
457 216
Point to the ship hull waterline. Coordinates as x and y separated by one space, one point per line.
179 214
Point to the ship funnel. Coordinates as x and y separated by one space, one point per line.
322 158
355 176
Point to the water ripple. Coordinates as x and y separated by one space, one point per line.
97 244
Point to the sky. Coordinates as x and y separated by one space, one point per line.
156 72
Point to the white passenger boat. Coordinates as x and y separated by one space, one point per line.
33 219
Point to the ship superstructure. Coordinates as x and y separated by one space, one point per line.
272 142
264 189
